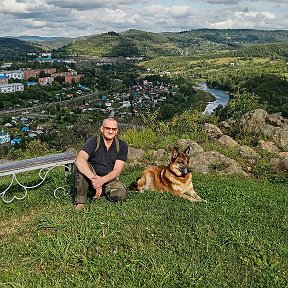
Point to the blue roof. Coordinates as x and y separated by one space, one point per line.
3 133
25 129
16 140
29 83
3 76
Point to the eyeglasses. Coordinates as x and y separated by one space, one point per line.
110 128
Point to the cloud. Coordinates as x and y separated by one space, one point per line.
77 18
233 2
227 2
91 4
254 20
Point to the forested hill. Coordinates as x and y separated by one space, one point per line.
141 43
275 50
236 37
190 43
11 48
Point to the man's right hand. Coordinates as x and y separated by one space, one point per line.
98 193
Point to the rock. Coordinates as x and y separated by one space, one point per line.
212 131
265 130
215 162
284 164
271 126
252 120
268 146
134 156
195 147
227 124
227 141
280 137
276 120
159 153
283 155
284 160
247 152
279 164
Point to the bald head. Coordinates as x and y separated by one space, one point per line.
108 121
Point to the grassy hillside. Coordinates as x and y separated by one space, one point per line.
141 43
194 42
129 43
237 239
47 43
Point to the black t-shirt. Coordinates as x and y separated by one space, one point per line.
102 160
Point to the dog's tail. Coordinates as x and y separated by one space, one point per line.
134 185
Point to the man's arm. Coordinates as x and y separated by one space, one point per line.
98 181
82 164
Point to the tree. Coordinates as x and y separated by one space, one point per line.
239 104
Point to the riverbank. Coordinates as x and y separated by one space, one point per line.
221 98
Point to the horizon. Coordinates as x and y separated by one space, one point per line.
54 18
53 36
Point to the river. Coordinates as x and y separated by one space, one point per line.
221 97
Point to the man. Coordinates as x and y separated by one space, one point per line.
98 168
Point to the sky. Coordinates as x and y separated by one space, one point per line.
90 17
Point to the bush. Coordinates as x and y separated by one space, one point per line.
189 123
36 148
239 104
144 138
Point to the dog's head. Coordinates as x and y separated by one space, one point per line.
180 162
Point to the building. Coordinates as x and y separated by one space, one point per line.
70 78
45 80
3 79
16 141
44 57
10 88
4 137
27 73
6 65
14 74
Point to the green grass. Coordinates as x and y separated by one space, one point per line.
237 239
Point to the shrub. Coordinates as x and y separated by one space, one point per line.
239 104
189 123
144 138
36 148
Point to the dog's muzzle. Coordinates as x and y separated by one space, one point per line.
185 170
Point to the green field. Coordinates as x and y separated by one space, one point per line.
237 239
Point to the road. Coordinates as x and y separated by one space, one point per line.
41 107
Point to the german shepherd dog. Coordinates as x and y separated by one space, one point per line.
175 178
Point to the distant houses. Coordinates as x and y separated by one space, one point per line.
25 74
9 129
4 137
13 74
12 87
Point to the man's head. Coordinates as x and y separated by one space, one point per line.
109 128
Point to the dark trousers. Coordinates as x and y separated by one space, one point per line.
114 190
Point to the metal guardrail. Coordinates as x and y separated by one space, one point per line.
44 164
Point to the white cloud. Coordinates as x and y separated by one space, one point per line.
76 18
246 20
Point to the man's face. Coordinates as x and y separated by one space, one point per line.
109 129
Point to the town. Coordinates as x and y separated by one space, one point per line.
27 112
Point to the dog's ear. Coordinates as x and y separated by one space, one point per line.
187 150
175 153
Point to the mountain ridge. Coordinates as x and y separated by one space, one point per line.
133 42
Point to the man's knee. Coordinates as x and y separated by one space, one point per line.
117 195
